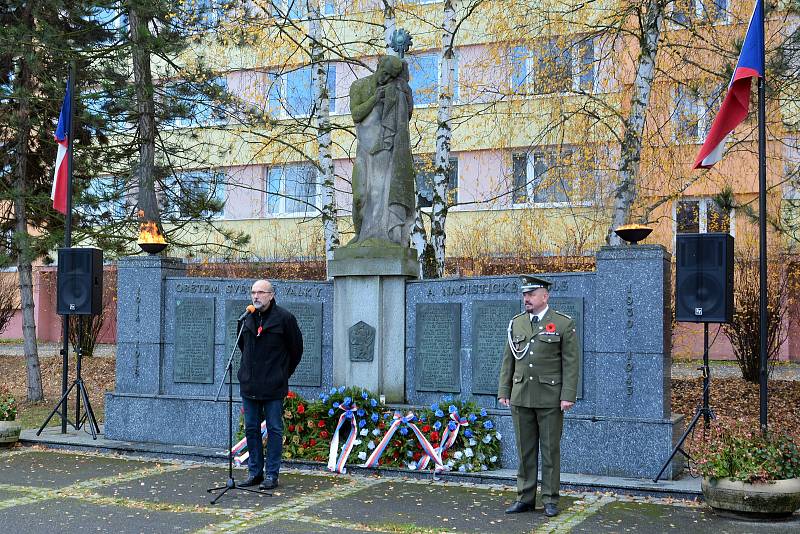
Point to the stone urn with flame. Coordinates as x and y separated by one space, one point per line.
151 240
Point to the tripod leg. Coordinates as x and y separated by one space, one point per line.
678 448
87 408
56 408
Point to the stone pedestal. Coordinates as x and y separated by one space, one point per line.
369 293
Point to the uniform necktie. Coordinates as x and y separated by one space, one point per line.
534 320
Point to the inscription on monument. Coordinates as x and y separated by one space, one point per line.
438 342
362 342
309 318
489 338
573 306
193 360
233 309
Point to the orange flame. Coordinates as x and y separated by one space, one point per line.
148 233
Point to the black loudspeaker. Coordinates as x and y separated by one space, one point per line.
80 281
704 278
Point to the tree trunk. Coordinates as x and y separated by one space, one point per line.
23 88
443 137
322 110
145 107
630 151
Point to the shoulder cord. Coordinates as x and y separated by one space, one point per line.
518 354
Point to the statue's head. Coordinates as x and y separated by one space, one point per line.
389 68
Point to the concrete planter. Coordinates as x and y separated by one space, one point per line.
9 433
765 500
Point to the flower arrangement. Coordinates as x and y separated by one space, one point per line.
8 405
461 432
740 453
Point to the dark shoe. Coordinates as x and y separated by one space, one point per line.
268 484
519 507
251 481
550 509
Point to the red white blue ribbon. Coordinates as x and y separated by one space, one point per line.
448 438
338 465
399 420
239 459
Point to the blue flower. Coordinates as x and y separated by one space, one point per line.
488 424
447 398
404 431
332 391
451 425
437 425
331 412
374 417
335 404
439 413
483 412
373 402
341 389
361 412
421 418
452 409
362 423
348 415
364 395
472 417
409 454
468 433
386 415
347 401
434 407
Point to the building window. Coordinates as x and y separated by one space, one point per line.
189 104
552 176
425 175
693 113
291 189
105 198
687 12
424 78
553 66
293 9
197 193
693 216
291 93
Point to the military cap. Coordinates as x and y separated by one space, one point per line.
529 283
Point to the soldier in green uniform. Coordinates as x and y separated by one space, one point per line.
539 380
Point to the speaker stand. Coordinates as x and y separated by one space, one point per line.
703 408
88 413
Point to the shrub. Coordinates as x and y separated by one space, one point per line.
8 405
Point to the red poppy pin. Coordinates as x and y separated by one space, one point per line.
260 329
550 328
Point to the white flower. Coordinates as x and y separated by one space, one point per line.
376 432
472 442
450 463
487 438
362 456
357 442
493 459
481 456
484 468
462 468
458 455
412 466
370 445
498 435
468 452
364 432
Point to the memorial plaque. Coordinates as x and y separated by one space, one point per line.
233 309
438 347
309 318
362 342
573 306
489 338
193 359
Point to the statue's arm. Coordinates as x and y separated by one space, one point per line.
361 102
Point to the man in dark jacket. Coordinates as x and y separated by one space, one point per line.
271 345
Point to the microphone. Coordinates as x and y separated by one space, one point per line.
250 309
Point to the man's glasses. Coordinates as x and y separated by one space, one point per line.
261 292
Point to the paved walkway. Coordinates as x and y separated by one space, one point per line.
43 490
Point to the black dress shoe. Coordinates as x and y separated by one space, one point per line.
519 507
268 484
550 509
251 481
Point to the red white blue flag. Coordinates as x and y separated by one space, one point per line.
737 101
59 193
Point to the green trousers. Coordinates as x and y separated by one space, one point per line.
533 426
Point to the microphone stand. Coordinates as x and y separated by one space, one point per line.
231 483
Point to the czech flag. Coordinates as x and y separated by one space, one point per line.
59 193
736 103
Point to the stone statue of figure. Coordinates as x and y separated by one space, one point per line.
383 174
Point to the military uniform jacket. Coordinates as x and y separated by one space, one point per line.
542 370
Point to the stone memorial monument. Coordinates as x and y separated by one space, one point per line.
370 272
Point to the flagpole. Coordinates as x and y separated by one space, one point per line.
762 222
67 244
